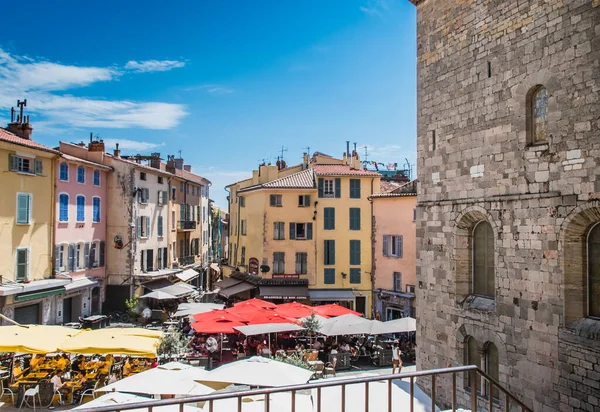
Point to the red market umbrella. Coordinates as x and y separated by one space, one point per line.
216 326
258 303
333 310
261 318
294 310
218 314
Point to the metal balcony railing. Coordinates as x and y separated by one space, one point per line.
474 373
186 225
186 260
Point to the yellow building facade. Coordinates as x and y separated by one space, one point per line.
309 224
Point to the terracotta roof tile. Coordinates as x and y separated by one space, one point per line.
84 161
9 137
303 179
341 170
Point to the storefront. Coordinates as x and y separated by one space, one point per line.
342 297
391 305
34 302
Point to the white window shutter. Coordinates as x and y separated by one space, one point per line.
147 227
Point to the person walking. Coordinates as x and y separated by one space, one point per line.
396 357
213 346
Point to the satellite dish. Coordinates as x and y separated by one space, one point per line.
265 268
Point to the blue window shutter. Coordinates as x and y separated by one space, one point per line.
13 163
355 275
80 208
71 266
102 253
86 255
292 230
309 231
385 245
332 252
63 207
329 276
139 226
320 186
355 252
338 187
39 166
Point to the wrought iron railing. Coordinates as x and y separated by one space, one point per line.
473 372
186 224
186 260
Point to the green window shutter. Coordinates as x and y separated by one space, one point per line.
338 187
309 231
139 226
385 245
307 200
355 188
354 218
292 230
102 252
160 226
13 163
273 200
355 275
86 255
332 252
147 227
329 276
320 186
39 167
355 252
57 261
23 207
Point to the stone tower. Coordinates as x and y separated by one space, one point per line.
508 258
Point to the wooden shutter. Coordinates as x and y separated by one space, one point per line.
320 186
57 261
399 246
355 275
332 252
146 194
102 253
86 255
71 258
139 226
38 166
354 218
309 231
292 230
23 208
329 276
355 252
385 245
307 200
273 200
147 226
338 187
13 163
160 199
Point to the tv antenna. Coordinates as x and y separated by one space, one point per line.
265 161
179 153
366 149
307 150
283 149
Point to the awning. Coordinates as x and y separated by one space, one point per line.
8 289
227 282
175 289
284 292
328 295
25 297
235 289
80 284
251 330
187 275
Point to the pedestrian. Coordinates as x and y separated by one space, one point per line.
396 357
212 345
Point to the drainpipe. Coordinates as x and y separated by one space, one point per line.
229 224
373 313
52 237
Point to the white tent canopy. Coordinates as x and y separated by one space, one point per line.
173 378
116 398
256 371
279 402
158 295
401 325
266 328
346 325
188 309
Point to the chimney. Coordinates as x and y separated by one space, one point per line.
20 126
187 168
179 164
155 160
96 145
305 160
117 152
170 164
348 148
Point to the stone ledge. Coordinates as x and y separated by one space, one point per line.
478 303
496 198
584 331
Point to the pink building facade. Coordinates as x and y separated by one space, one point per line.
80 230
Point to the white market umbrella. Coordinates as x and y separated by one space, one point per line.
173 378
115 399
401 325
331 397
158 295
188 309
256 371
268 328
320 318
346 325
279 402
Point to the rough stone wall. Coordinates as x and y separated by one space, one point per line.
477 62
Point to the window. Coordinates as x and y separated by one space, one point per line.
329 276
24 208
301 263
355 252
181 188
329 252
410 289
472 357
329 218
243 225
160 180
537 111
24 165
278 230
193 190
173 220
198 214
204 213
303 200
159 226
354 188
86 255
96 177
278 263
354 275
392 246
63 207
397 282
354 218
173 193
593 271
59 256
80 174
78 262
433 140
143 226
492 368
300 231
22 264
142 176
143 195
414 215
93 255
64 172
243 258
80 208
483 260
162 197
328 188
71 258
275 200
242 201
96 209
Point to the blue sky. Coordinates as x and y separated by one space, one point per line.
226 82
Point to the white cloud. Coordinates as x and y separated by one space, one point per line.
136 145
374 7
154 65
45 85
211 88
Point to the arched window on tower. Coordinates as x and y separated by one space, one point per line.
492 368
483 260
472 357
593 271
537 115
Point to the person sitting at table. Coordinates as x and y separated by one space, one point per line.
154 363
79 364
345 347
59 385
126 368
63 362
17 371
35 362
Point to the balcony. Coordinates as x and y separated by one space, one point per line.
185 225
186 260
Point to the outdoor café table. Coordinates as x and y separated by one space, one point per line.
34 376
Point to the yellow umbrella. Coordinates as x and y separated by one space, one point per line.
34 338
141 332
90 342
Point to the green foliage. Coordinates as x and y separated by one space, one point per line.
131 304
296 359
172 344
311 324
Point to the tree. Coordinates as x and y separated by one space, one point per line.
172 344
312 325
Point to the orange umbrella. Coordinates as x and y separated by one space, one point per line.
333 310
259 303
294 310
